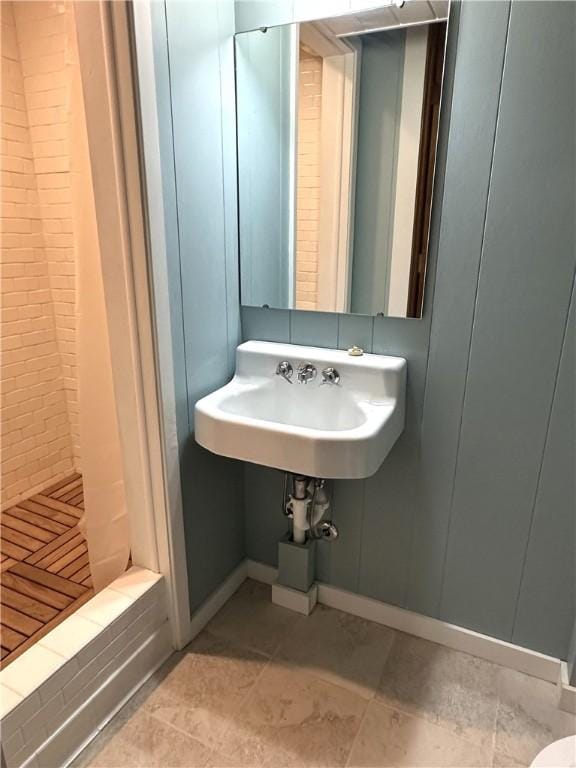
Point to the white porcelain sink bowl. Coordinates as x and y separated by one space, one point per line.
342 430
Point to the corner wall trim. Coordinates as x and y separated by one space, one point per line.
459 639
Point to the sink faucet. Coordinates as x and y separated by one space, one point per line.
330 376
285 370
306 373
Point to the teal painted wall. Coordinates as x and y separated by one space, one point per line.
263 76
379 111
196 111
471 517
572 658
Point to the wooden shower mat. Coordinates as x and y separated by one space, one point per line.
45 575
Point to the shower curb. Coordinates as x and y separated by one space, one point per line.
56 698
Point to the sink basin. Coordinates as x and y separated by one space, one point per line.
327 430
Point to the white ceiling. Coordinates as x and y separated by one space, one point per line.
384 17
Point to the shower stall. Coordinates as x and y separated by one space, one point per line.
64 528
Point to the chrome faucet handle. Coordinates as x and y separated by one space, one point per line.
306 373
330 376
285 370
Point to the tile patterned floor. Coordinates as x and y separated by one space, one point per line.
44 567
262 686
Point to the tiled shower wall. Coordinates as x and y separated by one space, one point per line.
308 182
39 390
44 32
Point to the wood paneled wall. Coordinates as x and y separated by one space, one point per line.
471 517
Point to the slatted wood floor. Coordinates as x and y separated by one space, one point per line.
45 574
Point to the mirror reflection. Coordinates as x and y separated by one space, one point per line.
337 132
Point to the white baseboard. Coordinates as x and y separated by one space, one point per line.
460 639
212 605
261 572
567 700
450 635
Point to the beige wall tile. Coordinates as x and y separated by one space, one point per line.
38 260
308 179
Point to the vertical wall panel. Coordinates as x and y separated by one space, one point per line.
265 69
481 46
164 107
225 12
265 324
318 329
265 523
390 494
549 583
338 562
379 116
525 281
355 330
193 41
252 14
199 40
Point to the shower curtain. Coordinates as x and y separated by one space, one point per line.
105 521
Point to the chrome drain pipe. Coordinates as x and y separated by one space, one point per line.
306 505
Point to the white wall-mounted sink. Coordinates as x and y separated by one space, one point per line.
326 430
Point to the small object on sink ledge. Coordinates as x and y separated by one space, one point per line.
355 351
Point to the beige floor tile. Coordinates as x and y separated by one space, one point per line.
250 619
203 691
528 716
142 741
294 719
339 648
218 760
223 703
449 688
503 761
391 738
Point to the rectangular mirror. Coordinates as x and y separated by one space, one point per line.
337 129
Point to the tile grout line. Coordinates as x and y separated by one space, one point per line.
166 723
496 718
244 700
435 723
357 734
